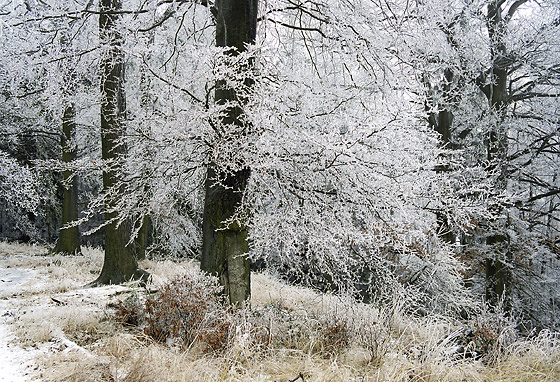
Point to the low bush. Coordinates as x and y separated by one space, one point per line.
187 309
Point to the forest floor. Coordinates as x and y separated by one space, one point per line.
13 359
54 329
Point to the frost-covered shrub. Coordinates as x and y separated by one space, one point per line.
491 333
189 308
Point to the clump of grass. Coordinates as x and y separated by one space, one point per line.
12 249
49 323
534 359
73 366
277 326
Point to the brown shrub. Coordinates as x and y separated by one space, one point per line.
336 335
189 308
130 311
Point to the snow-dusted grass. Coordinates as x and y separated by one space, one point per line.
72 329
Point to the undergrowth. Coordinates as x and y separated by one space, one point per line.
190 309
187 309
181 330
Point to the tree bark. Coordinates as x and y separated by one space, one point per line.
497 273
143 238
441 122
68 242
120 262
225 247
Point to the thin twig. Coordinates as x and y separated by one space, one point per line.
300 375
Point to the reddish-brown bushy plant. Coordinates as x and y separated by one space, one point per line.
336 335
189 308
130 311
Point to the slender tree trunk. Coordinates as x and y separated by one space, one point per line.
497 273
224 247
68 242
120 262
440 122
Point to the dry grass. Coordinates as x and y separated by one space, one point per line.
81 342
52 273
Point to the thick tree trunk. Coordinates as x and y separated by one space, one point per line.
120 262
68 242
224 248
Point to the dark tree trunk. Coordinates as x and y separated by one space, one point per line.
120 262
68 242
224 248
497 273
441 121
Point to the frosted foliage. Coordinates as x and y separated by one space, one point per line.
167 127
342 166
342 184
347 177
46 45
18 188
455 61
49 60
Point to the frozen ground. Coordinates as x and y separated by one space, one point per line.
53 329
14 361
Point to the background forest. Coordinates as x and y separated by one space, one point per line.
392 151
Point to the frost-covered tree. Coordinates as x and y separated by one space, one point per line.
120 263
224 246
68 241
342 184
28 62
60 66
346 188
490 68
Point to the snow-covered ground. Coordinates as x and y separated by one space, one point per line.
14 361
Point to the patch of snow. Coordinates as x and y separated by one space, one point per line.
11 280
14 361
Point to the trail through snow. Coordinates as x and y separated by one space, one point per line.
13 360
